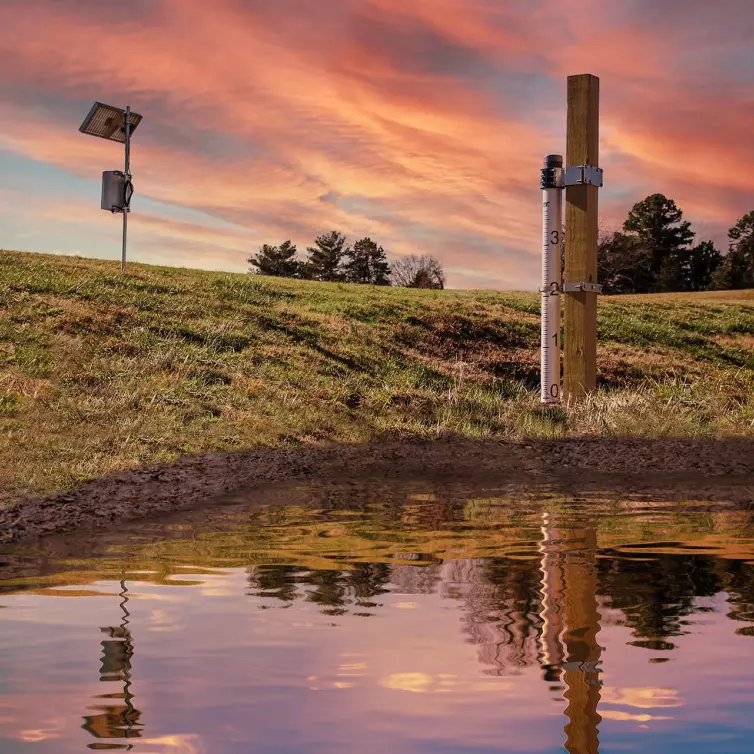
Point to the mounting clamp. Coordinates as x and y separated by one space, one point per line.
583 175
553 177
582 288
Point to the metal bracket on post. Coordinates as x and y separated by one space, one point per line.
584 175
582 288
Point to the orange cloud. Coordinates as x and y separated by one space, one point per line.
421 124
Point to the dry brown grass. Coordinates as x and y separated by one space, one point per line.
99 373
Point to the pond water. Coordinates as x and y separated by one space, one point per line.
387 617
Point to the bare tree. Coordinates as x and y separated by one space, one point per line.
418 272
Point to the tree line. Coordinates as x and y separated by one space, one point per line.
333 260
657 251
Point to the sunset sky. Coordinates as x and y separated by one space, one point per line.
421 123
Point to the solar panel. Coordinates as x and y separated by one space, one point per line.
108 122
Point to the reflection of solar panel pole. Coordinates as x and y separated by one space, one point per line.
111 721
115 124
127 695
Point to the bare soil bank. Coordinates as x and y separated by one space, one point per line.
689 469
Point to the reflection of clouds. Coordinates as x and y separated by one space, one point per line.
351 669
619 716
440 683
160 621
35 736
417 659
176 744
172 597
642 697
414 682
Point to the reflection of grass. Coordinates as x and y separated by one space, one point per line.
432 532
100 372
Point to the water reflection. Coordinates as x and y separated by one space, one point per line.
574 575
116 720
535 588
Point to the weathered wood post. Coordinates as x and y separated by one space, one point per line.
580 311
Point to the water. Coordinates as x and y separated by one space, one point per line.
400 618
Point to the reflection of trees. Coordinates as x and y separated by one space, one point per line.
279 582
334 590
367 581
519 609
525 612
118 719
330 591
504 597
501 615
657 592
740 587
416 579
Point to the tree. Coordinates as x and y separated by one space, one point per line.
737 268
367 263
624 264
279 261
325 257
657 225
703 260
418 272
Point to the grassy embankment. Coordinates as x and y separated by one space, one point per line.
100 372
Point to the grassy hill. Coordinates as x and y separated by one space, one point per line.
100 372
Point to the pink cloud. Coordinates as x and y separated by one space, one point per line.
419 123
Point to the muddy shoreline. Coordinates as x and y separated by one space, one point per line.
699 469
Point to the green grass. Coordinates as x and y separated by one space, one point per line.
100 372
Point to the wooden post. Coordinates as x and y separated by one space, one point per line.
580 311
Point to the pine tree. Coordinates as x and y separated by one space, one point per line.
325 257
367 264
657 225
703 261
278 261
737 268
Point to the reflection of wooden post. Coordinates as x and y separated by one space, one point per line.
581 675
580 313
570 624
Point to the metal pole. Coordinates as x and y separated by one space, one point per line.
127 128
552 244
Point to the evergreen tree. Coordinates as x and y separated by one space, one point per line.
737 268
325 257
702 262
657 225
278 261
367 263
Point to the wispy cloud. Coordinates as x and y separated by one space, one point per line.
419 123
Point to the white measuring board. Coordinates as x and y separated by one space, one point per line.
552 245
